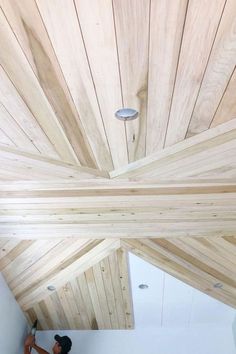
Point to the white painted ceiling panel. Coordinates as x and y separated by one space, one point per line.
170 303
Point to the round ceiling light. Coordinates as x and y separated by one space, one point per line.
126 114
51 288
143 286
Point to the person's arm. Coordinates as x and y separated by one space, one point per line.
30 343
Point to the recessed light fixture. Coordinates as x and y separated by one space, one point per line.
51 288
126 114
143 286
218 285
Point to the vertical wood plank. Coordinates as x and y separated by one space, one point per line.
97 25
199 32
132 31
166 28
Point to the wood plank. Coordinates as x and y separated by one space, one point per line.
166 28
153 164
29 29
83 286
218 73
23 78
227 107
122 257
132 47
95 298
85 324
103 299
14 131
198 38
96 16
110 295
20 163
69 47
84 259
113 262
12 250
20 112
64 250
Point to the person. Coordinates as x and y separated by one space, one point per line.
62 346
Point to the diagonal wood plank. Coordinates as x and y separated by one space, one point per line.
21 114
86 257
17 164
198 38
28 27
218 73
25 81
69 47
216 140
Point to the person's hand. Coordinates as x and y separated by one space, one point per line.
30 341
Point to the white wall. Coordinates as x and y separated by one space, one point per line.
234 331
199 340
13 325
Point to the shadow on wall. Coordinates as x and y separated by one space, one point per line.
234 331
13 325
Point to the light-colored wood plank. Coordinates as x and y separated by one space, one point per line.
132 46
30 31
14 132
80 304
219 70
95 298
83 286
110 295
84 259
96 16
103 300
18 163
166 27
155 163
23 78
227 107
122 257
198 37
20 112
69 47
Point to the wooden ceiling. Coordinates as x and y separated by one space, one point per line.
79 189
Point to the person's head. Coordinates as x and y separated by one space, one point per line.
62 346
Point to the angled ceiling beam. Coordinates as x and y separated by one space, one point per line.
191 270
107 209
211 153
20 165
90 254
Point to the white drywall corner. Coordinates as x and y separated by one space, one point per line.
13 325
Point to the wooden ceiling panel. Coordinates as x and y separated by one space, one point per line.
71 53
29 30
132 35
192 64
65 68
97 25
218 74
95 296
167 21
